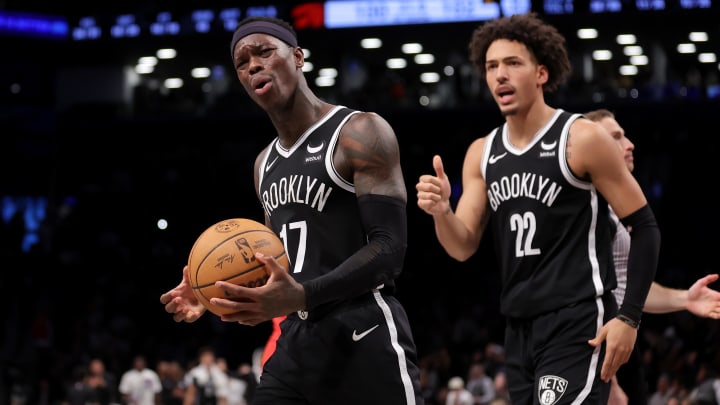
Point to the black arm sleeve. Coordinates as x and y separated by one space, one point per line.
379 262
642 260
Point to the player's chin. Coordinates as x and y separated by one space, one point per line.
506 111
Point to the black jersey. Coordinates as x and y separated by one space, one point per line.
312 208
551 228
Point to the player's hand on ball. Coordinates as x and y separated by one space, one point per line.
433 192
181 301
280 295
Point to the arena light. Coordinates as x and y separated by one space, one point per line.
707 57
639 60
371 43
698 36
429 77
686 48
424 59
626 39
587 33
173 83
602 54
628 70
396 63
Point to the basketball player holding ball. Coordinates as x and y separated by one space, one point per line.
332 188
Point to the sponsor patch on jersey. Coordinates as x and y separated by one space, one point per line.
313 153
546 154
314 158
550 389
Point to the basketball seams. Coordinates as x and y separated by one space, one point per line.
214 248
198 286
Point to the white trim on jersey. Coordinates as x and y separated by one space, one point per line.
287 152
330 161
583 185
486 152
538 135
564 168
592 243
263 161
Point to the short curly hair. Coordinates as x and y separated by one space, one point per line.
544 42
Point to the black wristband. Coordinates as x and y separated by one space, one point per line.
633 323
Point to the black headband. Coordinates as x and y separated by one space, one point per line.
262 27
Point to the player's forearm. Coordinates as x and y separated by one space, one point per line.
642 261
662 300
454 236
378 262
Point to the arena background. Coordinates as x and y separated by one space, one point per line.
93 155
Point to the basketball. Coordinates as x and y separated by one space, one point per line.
226 251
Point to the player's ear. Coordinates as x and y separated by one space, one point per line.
543 74
299 56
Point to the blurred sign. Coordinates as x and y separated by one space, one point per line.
364 13
35 25
575 7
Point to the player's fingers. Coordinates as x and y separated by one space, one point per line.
234 291
268 260
606 373
244 313
428 196
179 316
428 182
274 267
596 341
609 367
599 338
709 279
438 166
166 298
172 304
429 206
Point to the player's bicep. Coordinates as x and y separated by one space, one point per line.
370 154
622 192
608 172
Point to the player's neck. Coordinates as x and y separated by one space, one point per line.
524 126
298 118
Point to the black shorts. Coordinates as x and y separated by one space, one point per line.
549 360
360 353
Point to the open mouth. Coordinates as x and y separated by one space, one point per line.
261 84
